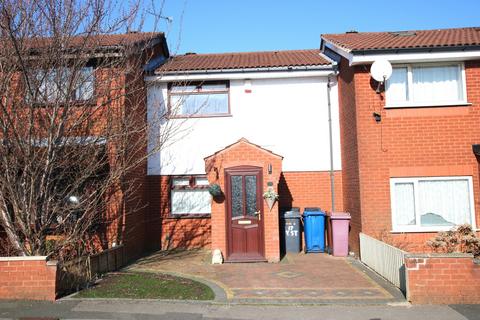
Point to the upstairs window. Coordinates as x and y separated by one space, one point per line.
426 85
53 85
206 99
431 204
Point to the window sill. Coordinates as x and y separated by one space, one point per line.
189 216
423 230
202 116
73 104
428 105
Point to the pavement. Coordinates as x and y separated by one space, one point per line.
154 309
298 278
314 286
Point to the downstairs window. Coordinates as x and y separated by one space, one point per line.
189 195
431 204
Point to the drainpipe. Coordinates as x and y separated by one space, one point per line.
330 136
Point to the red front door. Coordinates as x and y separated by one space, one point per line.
244 206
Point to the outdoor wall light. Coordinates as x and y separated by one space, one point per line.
377 117
269 168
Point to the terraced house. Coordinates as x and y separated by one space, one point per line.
402 157
312 125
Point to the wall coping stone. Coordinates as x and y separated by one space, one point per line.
24 258
52 263
439 255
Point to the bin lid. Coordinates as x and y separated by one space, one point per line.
340 216
293 212
313 213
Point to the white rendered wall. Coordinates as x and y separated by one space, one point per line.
287 116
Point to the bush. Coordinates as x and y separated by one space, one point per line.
460 239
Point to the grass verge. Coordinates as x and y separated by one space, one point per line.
148 286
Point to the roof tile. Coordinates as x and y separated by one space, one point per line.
244 60
364 41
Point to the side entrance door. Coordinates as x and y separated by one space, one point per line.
244 206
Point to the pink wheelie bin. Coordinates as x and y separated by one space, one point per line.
340 222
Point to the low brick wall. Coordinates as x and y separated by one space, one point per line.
29 278
35 278
442 278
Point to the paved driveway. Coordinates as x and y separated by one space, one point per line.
298 278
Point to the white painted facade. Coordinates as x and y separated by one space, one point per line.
287 115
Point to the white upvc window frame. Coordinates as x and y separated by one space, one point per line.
188 183
417 227
412 104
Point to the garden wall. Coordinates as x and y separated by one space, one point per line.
35 278
28 278
442 278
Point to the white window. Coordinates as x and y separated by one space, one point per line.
431 204
204 99
189 195
53 85
426 85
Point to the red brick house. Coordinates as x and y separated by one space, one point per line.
410 158
121 221
404 161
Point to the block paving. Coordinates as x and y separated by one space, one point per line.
298 278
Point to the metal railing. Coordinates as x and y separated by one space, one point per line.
384 259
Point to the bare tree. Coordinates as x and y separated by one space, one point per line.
73 122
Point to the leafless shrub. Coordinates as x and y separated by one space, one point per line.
460 239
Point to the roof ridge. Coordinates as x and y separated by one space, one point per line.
243 52
390 31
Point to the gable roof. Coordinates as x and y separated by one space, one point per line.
414 39
245 60
242 141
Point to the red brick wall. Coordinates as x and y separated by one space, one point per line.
309 189
165 231
296 189
442 279
407 142
27 279
349 147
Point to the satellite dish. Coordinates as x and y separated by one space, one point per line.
381 70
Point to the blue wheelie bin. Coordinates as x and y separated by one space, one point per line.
314 230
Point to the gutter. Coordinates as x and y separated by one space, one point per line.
242 75
330 138
245 70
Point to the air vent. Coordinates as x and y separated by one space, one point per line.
352 31
403 33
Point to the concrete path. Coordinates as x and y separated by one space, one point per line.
144 309
300 278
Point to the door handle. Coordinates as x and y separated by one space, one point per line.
257 214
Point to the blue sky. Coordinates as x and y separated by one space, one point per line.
205 26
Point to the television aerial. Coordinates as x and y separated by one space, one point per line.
381 71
